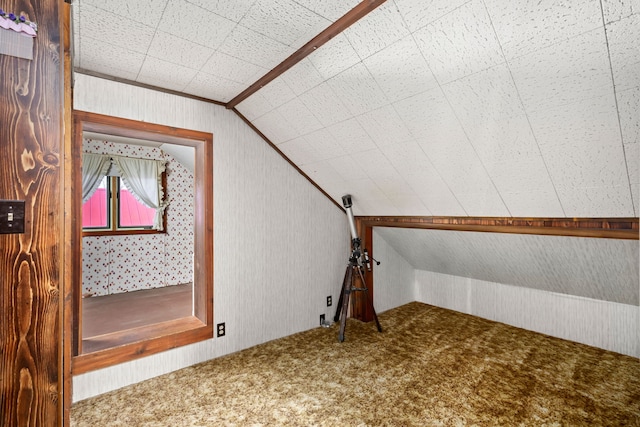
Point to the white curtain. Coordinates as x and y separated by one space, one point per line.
94 168
144 178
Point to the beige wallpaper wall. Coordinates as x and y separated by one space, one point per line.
280 246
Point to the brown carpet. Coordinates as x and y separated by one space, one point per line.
430 367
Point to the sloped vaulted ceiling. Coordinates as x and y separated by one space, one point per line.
469 108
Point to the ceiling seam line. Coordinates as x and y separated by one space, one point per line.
420 145
524 108
396 169
615 98
155 31
392 104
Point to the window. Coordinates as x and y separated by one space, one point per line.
122 194
95 211
113 207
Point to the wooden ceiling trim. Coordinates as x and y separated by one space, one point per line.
351 17
146 86
608 228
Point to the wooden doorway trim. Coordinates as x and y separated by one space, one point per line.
143 341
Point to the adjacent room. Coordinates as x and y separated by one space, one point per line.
490 153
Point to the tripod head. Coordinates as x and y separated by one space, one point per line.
359 257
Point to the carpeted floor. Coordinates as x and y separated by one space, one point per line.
430 367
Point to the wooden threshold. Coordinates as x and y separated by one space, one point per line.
110 349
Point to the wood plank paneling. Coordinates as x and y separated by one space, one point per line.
31 106
360 309
70 229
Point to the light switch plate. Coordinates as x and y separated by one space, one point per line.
11 216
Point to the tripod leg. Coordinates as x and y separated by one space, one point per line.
369 301
346 286
339 306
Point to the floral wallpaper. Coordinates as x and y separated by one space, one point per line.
115 264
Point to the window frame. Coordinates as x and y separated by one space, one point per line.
135 343
113 228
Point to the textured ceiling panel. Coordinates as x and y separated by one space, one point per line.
351 136
268 98
598 201
302 77
194 23
526 26
254 47
326 146
429 116
359 91
334 57
632 153
435 107
305 121
593 159
284 21
158 72
110 28
400 70
148 12
628 108
96 55
384 126
233 10
614 10
213 87
330 9
383 27
567 265
533 203
278 128
182 51
231 68
623 39
566 72
346 168
460 43
327 106
417 14
299 151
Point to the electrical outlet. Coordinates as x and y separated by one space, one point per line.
220 329
329 301
322 320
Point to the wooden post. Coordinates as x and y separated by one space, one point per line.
31 117
360 309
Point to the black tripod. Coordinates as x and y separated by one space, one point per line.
348 287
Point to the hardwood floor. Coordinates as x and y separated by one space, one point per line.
111 313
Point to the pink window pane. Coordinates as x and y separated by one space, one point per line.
94 210
132 212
